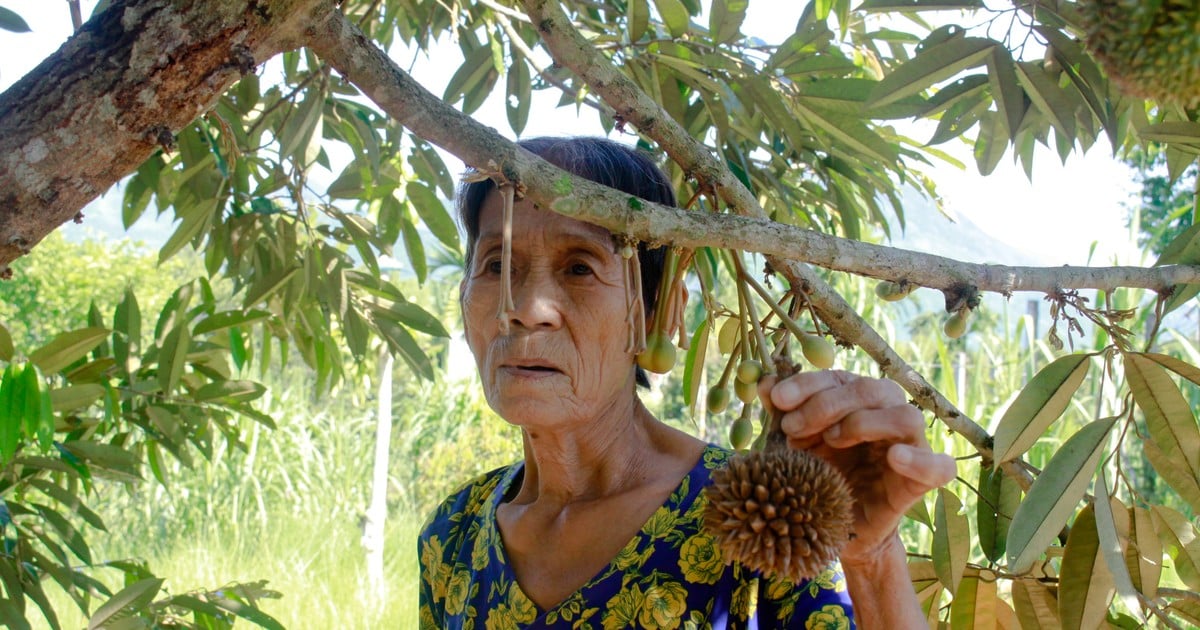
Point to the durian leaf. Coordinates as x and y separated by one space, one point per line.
638 16
1183 132
1181 542
1186 370
991 142
6 344
1144 553
930 66
66 348
999 496
1047 96
1110 510
1035 605
1039 404
1006 91
1169 417
693 366
951 540
1174 472
725 19
974 604
1054 495
1085 584
675 15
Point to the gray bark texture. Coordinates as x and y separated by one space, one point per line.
117 91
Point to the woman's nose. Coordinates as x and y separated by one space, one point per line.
537 301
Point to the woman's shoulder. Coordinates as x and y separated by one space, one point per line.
468 501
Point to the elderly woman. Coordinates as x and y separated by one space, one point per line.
600 524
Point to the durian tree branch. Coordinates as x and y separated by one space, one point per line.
114 93
572 50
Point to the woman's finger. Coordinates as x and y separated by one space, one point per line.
821 409
903 423
926 469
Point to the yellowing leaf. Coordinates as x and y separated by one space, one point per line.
974 604
932 65
1054 494
1174 472
1085 584
951 539
1182 368
1038 405
1144 553
6 344
1169 417
1035 605
66 348
1179 539
1112 528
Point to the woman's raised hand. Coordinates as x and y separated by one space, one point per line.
868 430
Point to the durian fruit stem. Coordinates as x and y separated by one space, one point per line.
635 316
507 192
759 340
788 322
776 438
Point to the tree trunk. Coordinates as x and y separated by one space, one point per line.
118 90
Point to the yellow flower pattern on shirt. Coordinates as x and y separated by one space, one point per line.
670 575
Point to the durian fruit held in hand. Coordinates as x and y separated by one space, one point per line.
780 511
1148 49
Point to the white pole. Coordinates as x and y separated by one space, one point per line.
372 539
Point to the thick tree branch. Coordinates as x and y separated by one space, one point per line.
570 49
114 93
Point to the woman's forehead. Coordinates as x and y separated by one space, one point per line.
527 216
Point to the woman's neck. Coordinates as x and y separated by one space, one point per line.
607 456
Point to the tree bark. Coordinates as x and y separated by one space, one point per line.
117 91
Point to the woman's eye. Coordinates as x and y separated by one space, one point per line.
492 266
580 269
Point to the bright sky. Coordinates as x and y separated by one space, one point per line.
1054 219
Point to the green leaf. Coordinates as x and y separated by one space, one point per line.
951 539
473 71
172 357
10 21
638 19
675 15
302 126
693 366
1047 96
194 219
268 285
1185 250
228 319
73 397
1085 584
518 100
126 602
12 402
69 500
1179 538
433 214
930 66
1054 494
230 391
1180 132
873 6
999 496
849 132
348 185
1169 417
1006 91
67 348
991 143
414 248
411 315
725 19
1038 405
6 344
402 343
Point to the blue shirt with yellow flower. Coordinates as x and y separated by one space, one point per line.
670 575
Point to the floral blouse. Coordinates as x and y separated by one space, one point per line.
670 575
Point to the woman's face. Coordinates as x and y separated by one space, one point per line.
563 360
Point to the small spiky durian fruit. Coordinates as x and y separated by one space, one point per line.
1149 49
780 511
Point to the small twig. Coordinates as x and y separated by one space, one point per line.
76 14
